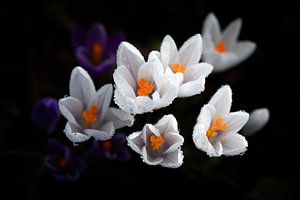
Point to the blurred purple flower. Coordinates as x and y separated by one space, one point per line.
114 149
62 163
95 50
45 114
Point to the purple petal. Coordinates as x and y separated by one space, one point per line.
114 42
118 141
124 155
97 34
51 162
45 114
78 36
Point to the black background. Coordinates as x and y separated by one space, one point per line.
36 60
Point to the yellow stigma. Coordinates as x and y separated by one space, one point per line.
97 53
178 68
145 88
156 142
221 47
90 116
216 126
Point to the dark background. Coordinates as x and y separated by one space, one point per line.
36 61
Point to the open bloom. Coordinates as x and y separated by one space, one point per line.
113 149
141 86
184 64
257 120
62 162
223 50
159 144
88 112
95 51
45 114
216 129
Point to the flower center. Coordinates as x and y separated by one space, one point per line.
216 126
221 47
107 144
97 53
90 116
178 68
145 88
62 162
156 142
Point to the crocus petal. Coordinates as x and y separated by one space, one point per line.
74 134
71 109
119 118
221 62
173 159
97 34
143 104
167 124
211 28
218 149
201 141
205 117
222 100
232 32
136 142
125 103
175 140
81 86
258 119
197 72
130 57
147 158
235 121
147 71
190 52
168 51
105 132
234 145
243 49
125 82
149 130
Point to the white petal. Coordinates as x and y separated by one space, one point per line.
124 82
168 51
143 104
105 132
147 71
147 158
222 100
130 57
218 149
174 140
235 121
258 119
220 61
71 109
102 100
81 86
243 49
173 159
211 28
149 130
73 134
136 142
167 124
197 72
154 55
232 32
190 52
205 117
234 145
127 76
119 118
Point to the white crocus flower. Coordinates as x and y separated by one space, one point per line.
159 144
88 112
223 50
258 119
216 129
183 64
141 86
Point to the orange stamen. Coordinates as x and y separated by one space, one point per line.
145 88
178 68
107 144
97 53
90 116
216 126
62 163
156 142
221 47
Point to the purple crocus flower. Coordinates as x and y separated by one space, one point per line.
114 149
45 114
95 50
62 163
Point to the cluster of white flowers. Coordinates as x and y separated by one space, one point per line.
145 85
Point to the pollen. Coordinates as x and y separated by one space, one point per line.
156 142
178 68
221 47
145 88
216 126
97 53
107 144
90 116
